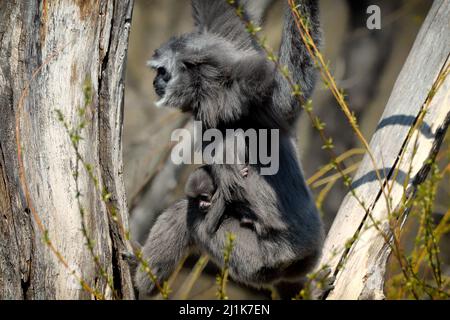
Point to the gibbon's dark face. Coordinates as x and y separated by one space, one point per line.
200 188
206 73
188 65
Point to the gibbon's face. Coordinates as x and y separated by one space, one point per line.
193 67
187 66
200 188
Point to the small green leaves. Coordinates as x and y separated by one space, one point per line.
328 144
222 278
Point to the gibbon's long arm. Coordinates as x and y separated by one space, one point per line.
256 9
294 55
219 17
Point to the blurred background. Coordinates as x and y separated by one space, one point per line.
365 63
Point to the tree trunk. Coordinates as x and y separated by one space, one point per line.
51 51
360 265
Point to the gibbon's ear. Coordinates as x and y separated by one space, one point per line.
220 18
194 59
211 63
189 64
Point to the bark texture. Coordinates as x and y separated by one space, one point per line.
360 267
50 51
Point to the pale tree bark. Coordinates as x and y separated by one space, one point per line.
50 51
360 265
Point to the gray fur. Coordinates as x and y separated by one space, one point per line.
294 55
220 75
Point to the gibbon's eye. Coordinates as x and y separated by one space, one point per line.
163 74
161 71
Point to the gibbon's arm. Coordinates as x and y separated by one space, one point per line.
294 55
256 9
231 188
167 243
251 198
219 17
